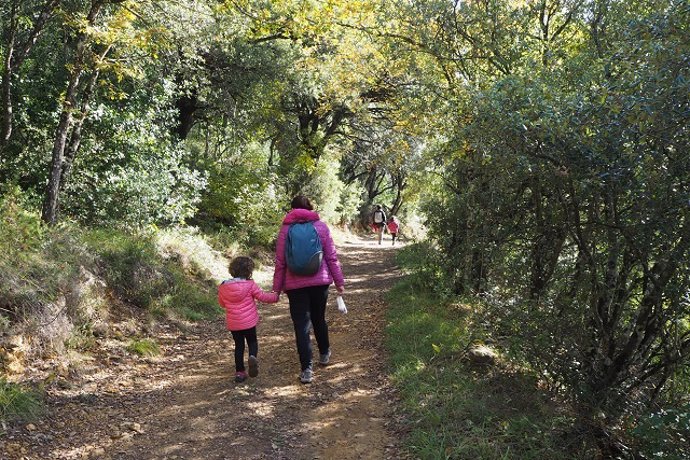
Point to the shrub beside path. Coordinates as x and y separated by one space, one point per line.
184 404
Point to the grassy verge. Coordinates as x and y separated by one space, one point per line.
17 402
457 410
60 286
164 281
162 271
144 347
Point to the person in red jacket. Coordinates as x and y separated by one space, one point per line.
237 296
393 227
308 294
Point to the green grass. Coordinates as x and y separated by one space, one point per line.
153 279
144 347
456 410
191 299
165 272
17 402
37 262
81 339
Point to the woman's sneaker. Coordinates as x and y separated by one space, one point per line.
240 376
325 358
253 366
306 376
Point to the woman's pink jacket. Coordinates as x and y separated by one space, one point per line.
330 271
237 296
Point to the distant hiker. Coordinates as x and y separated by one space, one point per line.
237 296
378 221
305 268
393 227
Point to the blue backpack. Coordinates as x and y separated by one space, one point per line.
303 250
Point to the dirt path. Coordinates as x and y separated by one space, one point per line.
184 404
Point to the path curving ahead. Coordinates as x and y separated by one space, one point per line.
185 405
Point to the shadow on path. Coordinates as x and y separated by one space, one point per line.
184 405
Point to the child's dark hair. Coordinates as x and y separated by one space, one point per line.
301 202
242 267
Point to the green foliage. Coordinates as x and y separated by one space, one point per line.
40 267
37 263
255 95
548 141
144 347
563 202
140 175
350 202
81 339
189 300
21 231
424 261
325 189
456 410
127 168
131 265
242 197
193 251
138 273
664 434
17 402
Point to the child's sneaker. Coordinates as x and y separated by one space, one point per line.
325 358
240 376
253 366
306 375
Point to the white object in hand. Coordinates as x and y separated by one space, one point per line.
341 304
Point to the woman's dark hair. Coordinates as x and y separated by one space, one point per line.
301 202
242 267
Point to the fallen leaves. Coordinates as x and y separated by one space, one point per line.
185 404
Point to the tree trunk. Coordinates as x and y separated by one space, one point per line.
478 273
187 107
14 58
75 138
7 115
50 201
598 25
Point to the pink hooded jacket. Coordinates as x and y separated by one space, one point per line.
330 271
237 296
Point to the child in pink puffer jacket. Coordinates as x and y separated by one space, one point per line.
237 296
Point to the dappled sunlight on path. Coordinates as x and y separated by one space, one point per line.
184 405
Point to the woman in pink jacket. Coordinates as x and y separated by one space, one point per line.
237 296
308 293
